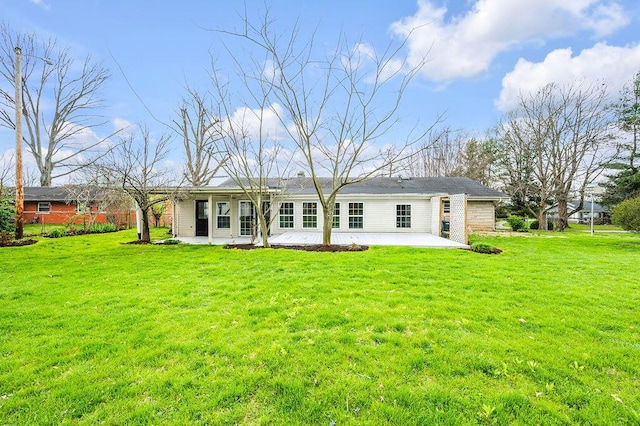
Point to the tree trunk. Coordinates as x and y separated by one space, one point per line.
542 213
264 230
563 217
327 226
145 236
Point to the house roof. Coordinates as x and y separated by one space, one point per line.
45 193
63 194
388 185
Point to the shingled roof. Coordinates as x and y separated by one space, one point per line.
45 193
387 185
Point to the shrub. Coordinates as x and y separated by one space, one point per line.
100 228
485 248
5 237
57 233
516 222
627 215
536 225
171 241
7 214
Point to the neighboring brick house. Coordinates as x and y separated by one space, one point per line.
55 205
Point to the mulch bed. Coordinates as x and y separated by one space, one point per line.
311 247
17 243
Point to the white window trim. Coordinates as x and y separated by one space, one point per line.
220 215
349 215
404 216
48 205
292 215
314 203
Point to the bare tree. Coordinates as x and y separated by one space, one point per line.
58 135
439 155
94 194
136 165
251 153
6 169
567 134
198 128
338 107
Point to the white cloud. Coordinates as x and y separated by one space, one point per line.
464 46
256 122
612 64
42 4
123 127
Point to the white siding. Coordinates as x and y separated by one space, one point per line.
379 214
186 217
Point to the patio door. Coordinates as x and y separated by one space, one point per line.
246 218
202 218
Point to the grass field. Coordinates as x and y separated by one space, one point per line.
548 332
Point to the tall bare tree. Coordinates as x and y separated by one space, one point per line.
339 107
198 128
252 154
439 155
70 90
136 165
567 134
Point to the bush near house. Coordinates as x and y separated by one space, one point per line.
627 215
516 223
536 225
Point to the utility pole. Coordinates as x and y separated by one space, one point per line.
19 186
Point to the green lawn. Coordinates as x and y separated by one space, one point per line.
95 331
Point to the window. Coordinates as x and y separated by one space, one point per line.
446 207
403 216
356 216
310 215
44 207
224 217
336 216
286 215
82 208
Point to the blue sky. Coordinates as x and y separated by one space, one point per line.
482 53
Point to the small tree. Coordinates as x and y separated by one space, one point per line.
157 210
337 107
627 214
136 165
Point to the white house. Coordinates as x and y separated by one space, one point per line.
601 214
380 205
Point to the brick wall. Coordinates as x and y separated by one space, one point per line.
61 213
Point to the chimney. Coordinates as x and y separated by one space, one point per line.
300 174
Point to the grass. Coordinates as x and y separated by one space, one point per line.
92 330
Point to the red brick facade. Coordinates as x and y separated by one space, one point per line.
62 213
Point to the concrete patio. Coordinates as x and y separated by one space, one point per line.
419 240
